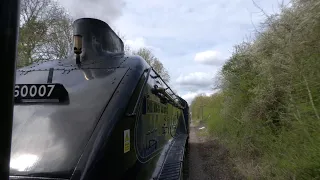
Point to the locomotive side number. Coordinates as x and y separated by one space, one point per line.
33 90
40 93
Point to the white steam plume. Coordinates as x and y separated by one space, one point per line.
106 10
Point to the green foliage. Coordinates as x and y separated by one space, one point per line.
44 33
268 109
31 34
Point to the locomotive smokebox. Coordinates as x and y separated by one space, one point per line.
96 39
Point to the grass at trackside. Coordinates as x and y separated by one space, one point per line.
261 153
195 123
202 133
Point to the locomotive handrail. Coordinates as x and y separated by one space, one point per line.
163 91
133 113
168 87
165 94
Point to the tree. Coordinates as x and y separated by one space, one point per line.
154 62
45 32
269 98
147 55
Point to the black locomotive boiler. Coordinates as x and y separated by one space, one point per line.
99 114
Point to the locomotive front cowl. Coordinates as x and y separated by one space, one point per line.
49 137
96 114
96 38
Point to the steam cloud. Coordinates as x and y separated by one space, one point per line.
106 10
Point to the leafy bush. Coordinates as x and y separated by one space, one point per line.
268 109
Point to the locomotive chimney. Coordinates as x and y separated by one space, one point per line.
94 38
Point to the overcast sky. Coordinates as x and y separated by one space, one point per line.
192 39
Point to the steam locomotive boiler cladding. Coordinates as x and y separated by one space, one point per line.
98 114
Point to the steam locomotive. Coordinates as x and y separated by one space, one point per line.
99 114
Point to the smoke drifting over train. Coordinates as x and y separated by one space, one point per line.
106 10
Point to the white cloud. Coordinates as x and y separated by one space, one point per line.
199 79
106 10
189 96
209 57
136 43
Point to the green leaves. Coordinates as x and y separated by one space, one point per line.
45 32
270 101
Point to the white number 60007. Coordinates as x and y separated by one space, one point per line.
33 90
